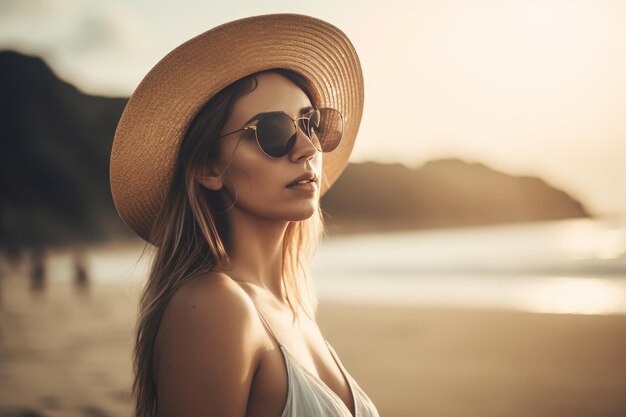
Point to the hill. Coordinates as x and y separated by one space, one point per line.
440 193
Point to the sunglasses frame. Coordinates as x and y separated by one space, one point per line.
307 118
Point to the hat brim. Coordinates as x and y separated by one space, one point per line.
156 117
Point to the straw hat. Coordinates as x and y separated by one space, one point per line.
158 113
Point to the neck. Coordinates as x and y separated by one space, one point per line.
255 250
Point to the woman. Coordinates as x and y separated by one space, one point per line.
219 160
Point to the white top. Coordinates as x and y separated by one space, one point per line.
309 396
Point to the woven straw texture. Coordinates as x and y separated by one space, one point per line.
156 117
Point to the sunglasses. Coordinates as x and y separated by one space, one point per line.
276 132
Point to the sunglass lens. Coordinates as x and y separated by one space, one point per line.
276 134
326 129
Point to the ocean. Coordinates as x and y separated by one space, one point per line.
566 266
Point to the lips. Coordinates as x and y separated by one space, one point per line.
307 176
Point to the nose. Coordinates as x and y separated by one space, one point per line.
303 147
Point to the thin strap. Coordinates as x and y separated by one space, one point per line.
267 325
346 376
342 368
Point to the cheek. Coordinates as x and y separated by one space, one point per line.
253 174
257 182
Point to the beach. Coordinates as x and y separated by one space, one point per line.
448 362
66 351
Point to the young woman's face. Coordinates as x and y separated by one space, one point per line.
257 181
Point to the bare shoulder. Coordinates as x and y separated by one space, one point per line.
207 349
214 292
213 304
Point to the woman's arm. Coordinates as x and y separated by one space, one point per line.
208 351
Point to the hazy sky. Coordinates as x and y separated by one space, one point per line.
528 87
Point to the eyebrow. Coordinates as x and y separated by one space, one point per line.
259 115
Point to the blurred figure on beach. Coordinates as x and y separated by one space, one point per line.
81 275
38 269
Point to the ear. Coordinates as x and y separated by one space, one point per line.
209 179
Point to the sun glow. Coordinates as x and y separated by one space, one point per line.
573 295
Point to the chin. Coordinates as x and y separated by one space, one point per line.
302 213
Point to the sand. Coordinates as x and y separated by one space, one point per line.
65 352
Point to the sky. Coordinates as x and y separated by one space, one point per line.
527 87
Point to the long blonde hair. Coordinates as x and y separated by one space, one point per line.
191 232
